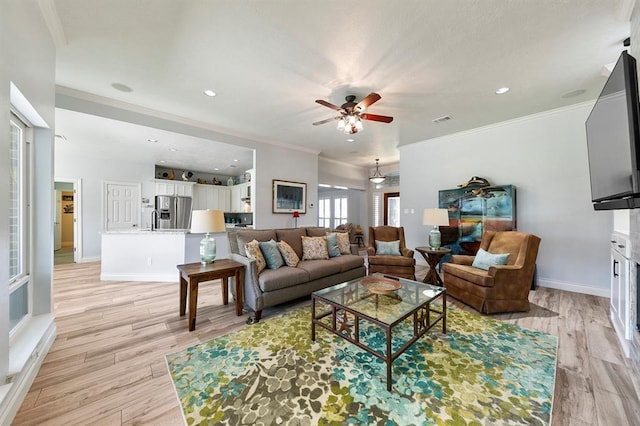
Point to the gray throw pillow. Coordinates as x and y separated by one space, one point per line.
391 248
332 245
484 259
271 254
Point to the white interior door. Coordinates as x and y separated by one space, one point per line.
57 231
122 205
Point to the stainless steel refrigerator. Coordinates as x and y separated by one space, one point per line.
173 212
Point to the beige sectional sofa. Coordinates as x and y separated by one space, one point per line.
274 286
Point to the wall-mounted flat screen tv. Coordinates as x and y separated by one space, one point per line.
613 138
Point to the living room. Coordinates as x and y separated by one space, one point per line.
542 153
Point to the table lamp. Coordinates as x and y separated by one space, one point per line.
435 217
296 215
207 221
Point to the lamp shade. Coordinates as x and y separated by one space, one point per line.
205 221
435 217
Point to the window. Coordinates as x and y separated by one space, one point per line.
376 209
19 223
340 211
332 211
324 212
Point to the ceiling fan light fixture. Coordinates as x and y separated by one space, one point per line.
377 177
341 125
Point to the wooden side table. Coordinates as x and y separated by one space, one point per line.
433 257
359 240
195 273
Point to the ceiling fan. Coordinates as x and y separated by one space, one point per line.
352 113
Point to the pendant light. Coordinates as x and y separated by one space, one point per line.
377 176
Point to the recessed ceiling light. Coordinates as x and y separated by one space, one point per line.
121 87
215 168
62 137
324 185
574 93
235 161
502 90
152 140
162 161
172 149
350 140
210 93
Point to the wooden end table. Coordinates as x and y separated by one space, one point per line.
195 273
433 257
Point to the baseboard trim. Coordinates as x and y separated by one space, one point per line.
169 278
575 288
19 388
90 259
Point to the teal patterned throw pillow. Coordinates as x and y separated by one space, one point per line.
391 248
271 254
484 259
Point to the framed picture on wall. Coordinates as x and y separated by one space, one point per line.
289 197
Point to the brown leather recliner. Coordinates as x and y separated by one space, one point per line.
400 266
502 288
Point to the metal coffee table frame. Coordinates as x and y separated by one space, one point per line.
352 292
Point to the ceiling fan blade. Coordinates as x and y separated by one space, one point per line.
328 120
367 102
328 105
375 117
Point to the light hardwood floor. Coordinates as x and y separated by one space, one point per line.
107 364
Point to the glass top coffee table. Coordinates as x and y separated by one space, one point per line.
382 300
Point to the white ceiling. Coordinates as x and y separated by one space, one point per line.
270 60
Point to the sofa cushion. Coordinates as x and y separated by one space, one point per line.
319 268
484 259
314 248
271 254
276 279
348 261
244 237
252 249
317 232
469 273
288 254
390 248
332 245
293 237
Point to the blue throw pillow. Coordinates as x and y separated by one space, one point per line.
484 259
391 248
271 254
332 245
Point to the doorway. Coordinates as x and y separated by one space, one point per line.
67 219
392 209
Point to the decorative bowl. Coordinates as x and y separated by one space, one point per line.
379 285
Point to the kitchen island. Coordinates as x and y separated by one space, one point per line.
145 255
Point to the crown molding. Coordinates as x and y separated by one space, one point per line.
52 20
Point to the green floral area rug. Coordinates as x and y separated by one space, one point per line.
481 372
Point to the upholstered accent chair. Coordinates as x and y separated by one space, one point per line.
401 263
499 288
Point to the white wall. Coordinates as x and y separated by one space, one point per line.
545 157
80 163
273 162
27 59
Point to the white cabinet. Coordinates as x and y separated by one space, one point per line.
239 196
620 290
211 197
174 188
